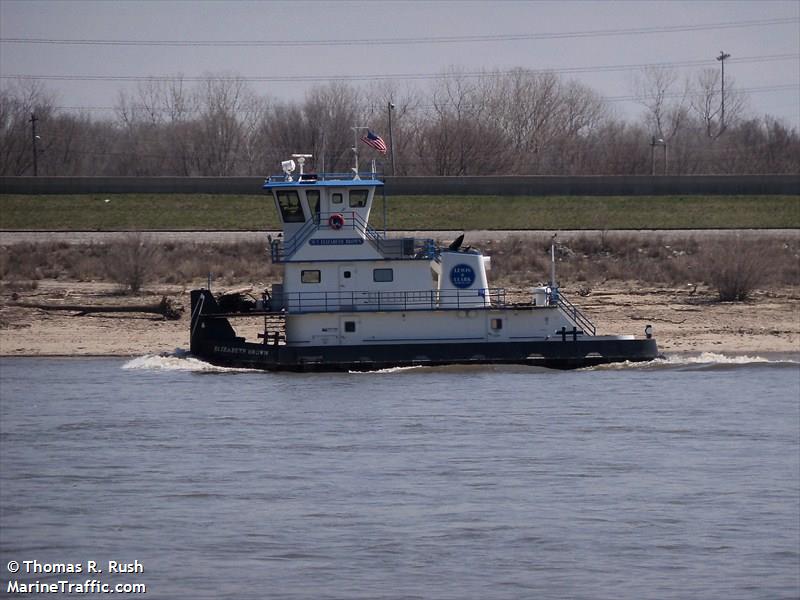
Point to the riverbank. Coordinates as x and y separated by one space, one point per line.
684 319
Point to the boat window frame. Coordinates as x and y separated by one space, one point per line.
310 273
335 195
297 215
383 270
359 203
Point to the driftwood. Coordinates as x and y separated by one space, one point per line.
166 308
656 320
238 291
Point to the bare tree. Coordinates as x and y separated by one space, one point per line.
581 112
665 100
517 122
406 113
526 105
225 102
459 136
707 102
330 112
18 102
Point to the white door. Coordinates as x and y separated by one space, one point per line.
347 286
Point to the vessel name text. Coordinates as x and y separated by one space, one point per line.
336 242
241 351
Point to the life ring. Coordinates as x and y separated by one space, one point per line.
336 221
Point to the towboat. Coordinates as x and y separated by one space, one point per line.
354 299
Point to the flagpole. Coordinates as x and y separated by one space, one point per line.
355 148
356 129
322 166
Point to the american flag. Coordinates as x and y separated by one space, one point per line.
375 141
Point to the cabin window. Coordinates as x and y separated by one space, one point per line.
358 198
347 274
291 210
310 276
336 198
312 196
349 326
497 324
382 275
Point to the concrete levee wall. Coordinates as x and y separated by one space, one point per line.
633 185
131 185
612 185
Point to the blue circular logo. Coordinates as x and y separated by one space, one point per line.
462 276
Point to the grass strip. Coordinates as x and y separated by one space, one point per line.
228 212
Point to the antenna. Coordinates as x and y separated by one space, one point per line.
356 129
301 159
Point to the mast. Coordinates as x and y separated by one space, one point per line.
356 129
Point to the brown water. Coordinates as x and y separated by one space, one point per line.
679 479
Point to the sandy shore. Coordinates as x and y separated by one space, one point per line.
682 321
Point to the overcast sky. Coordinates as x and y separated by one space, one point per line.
765 58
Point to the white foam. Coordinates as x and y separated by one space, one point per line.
718 359
703 359
389 370
180 360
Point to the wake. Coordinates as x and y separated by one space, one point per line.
179 360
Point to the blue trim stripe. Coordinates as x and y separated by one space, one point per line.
338 183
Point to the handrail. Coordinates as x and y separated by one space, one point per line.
281 250
575 315
310 178
302 302
195 319
300 237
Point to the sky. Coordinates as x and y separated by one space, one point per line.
280 42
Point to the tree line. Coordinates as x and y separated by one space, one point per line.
498 123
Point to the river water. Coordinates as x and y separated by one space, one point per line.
677 479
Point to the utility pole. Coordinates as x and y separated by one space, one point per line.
653 143
34 137
391 138
721 58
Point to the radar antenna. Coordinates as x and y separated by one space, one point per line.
301 159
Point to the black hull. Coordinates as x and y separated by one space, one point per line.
214 340
555 355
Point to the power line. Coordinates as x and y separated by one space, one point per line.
393 76
409 40
748 90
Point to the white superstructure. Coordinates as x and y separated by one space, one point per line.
347 284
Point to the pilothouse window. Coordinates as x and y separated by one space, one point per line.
358 198
291 210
